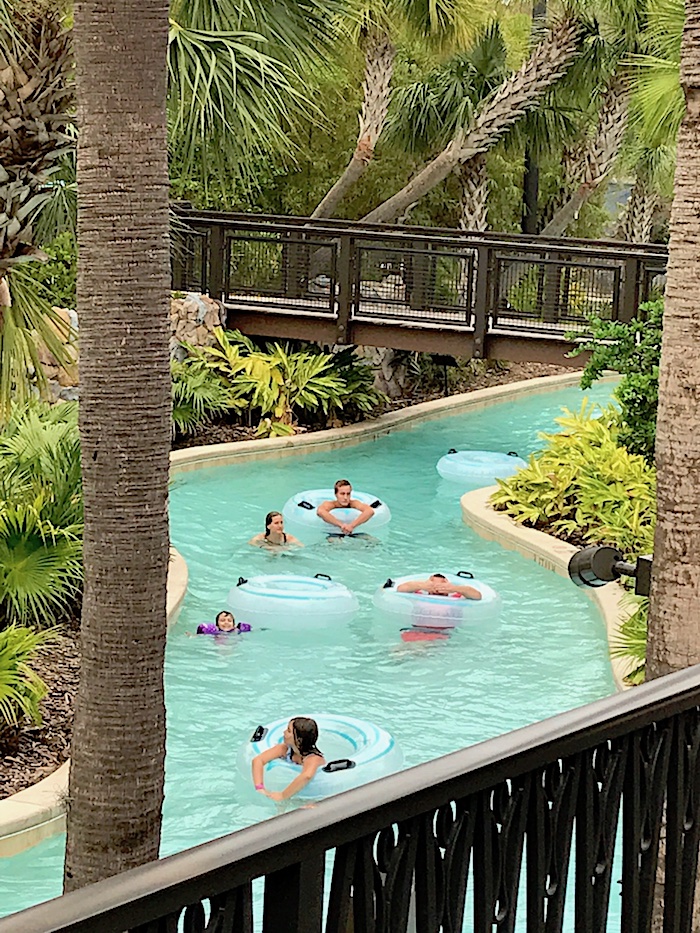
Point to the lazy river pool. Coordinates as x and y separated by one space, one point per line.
550 653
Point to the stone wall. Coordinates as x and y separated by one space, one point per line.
193 318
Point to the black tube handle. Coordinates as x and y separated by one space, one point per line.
452 450
466 574
513 453
241 581
375 504
389 583
259 733
321 576
340 764
305 505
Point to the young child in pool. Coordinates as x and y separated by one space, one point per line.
299 747
225 624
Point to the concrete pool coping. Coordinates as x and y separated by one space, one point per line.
194 458
551 553
38 812
34 814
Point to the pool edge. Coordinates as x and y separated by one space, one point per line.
193 458
550 553
38 812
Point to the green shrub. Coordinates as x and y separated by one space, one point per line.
199 396
21 690
59 275
634 351
585 487
41 515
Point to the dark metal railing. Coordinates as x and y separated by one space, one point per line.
353 272
556 826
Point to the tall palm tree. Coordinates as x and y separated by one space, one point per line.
118 750
426 114
674 612
517 95
374 26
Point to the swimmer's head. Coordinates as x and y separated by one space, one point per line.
437 576
343 491
274 522
225 621
303 732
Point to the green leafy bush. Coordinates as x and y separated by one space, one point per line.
587 488
21 690
634 351
199 396
59 275
41 515
280 383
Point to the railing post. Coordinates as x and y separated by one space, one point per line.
217 274
345 272
294 897
629 296
481 299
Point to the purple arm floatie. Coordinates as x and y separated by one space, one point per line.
211 628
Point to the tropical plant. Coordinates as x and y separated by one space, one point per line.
117 771
21 689
36 104
585 486
276 381
41 515
199 396
631 638
58 275
495 115
634 350
374 25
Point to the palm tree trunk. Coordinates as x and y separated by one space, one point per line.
379 68
637 217
674 612
520 93
117 768
474 186
597 158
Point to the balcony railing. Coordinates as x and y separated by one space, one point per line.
553 827
349 273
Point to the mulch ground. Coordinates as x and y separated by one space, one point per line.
36 752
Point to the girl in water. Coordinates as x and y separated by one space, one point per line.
274 535
299 747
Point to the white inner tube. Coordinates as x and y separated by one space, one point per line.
423 610
300 510
478 466
289 602
355 751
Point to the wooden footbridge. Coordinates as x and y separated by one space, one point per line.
498 296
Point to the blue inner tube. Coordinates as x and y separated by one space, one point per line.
286 601
300 510
355 751
423 610
478 466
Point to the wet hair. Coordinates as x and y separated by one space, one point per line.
440 576
339 483
305 732
268 519
225 612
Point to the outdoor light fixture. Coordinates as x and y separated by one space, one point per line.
596 566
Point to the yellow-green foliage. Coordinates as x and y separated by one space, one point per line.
584 486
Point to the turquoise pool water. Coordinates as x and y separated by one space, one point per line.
549 655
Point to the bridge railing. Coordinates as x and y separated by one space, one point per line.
560 826
417 276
